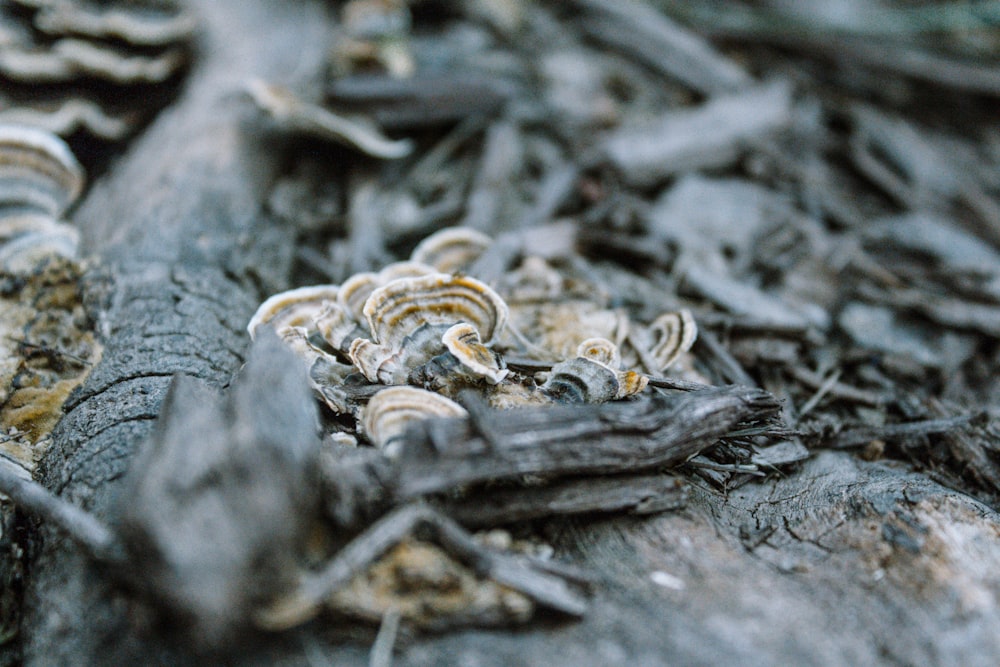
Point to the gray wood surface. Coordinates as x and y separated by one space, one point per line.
843 562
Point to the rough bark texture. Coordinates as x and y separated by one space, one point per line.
178 227
843 562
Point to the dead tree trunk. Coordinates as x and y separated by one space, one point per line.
842 562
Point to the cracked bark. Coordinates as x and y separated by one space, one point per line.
842 562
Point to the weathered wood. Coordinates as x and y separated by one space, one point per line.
658 430
713 134
652 38
178 225
840 562
220 499
534 578
635 494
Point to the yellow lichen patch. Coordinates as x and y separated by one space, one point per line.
429 589
34 411
46 350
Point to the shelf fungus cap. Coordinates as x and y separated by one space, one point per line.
673 334
356 289
14 225
298 115
391 410
297 340
462 340
335 325
38 172
155 27
397 309
23 253
294 308
404 269
452 249
378 363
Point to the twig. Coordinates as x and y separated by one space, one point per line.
385 640
836 388
729 366
545 585
49 350
79 525
825 387
675 383
638 29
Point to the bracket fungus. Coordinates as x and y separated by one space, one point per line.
464 343
103 68
402 306
674 334
354 292
40 179
391 410
297 115
588 379
38 172
421 323
297 307
451 249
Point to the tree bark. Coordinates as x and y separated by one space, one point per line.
842 562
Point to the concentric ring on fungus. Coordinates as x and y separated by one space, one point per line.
674 334
149 29
601 350
462 340
294 308
391 410
23 253
354 291
451 249
335 325
590 377
38 171
400 307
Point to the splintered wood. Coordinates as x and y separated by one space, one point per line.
603 439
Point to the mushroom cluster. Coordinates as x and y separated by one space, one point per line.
415 335
97 68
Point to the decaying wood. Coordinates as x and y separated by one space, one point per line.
654 431
539 579
712 135
840 560
208 549
845 436
813 30
183 283
222 501
662 44
409 103
635 494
